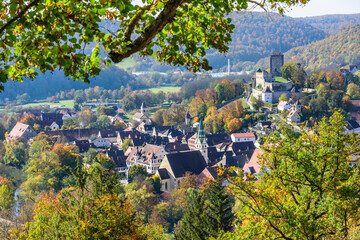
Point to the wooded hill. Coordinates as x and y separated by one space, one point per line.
257 34
332 23
337 50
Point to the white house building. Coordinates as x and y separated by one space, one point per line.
283 105
267 96
243 137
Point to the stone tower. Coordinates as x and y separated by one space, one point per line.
276 62
187 118
201 144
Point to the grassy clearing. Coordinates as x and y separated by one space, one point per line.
280 80
62 103
244 103
164 89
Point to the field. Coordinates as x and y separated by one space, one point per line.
280 80
63 103
244 103
164 89
126 63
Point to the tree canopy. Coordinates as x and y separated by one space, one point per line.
41 35
309 187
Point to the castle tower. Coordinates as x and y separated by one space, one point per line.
201 144
143 108
187 118
276 62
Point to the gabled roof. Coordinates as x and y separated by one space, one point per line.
144 154
242 146
84 145
292 113
283 103
163 173
253 165
21 130
243 135
139 115
107 133
352 124
176 147
267 90
351 67
183 162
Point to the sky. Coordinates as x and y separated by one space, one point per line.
325 7
320 7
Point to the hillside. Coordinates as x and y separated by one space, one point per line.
338 50
257 34
332 23
333 52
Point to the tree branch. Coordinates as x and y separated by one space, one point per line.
32 4
166 16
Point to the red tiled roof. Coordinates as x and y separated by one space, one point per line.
243 135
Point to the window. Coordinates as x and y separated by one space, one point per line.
166 186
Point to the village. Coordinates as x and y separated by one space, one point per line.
172 151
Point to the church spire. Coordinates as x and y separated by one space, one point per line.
201 132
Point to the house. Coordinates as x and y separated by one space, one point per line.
145 128
283 105
352 127
211 139
84 145
117 158
21 130
211 173
293 117
266 95
109 135
74 134
65 112
54 126
265 125
169 133
100 142
149 156
47 119
174 166
296 106
141 117
243 137
176 147
253 167
158 129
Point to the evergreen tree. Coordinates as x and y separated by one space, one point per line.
219 215
193 224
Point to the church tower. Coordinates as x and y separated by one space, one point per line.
143 108
201 144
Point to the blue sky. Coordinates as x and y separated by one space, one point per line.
325 7
320 7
